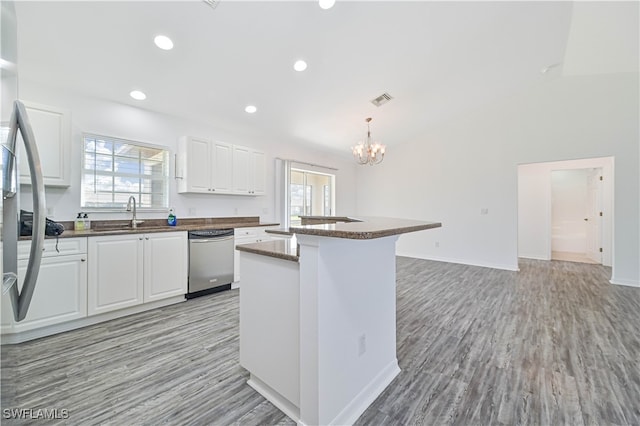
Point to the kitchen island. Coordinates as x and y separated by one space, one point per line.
318 320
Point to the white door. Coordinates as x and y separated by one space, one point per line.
115 273
221 163
592 217
258 181
241 164
198 165
165 265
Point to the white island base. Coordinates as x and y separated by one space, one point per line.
319 335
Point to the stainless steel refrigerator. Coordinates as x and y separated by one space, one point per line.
14 121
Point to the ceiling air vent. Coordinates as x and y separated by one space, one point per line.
382 99
212 3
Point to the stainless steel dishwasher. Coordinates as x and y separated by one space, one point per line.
210 261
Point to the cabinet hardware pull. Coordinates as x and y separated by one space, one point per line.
147 238
83 260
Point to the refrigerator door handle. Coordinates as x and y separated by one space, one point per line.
21 300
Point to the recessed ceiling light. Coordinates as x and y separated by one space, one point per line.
300 65
138 95
326 4
251 109
163 42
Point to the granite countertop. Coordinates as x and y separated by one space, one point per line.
279 231
122 227
364 228
280 249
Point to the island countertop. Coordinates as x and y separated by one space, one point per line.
285 249
364 228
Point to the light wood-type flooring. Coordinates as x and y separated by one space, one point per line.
552 344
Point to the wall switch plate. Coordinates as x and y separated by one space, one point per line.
484 211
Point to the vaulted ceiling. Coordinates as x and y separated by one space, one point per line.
436 59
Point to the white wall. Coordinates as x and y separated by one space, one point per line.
453 171
127 122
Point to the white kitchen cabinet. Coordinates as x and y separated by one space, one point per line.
115 272
257 179
129 270
247 236
52 130
248 171
60 294
165 265
203 166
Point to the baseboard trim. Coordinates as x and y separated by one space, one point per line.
534 257
625 282
366 396
281 403
462 262
36 333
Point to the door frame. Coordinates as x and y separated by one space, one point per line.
544 170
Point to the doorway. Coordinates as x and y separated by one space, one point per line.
310 194
576 221
565 210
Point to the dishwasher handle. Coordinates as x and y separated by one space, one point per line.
211 240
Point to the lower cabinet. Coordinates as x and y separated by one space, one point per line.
115 273
130 270
166 263
61 289
247 236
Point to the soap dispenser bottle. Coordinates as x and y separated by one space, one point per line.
172 220
87 222
78 225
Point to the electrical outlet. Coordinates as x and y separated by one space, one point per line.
484 211
235 211
192 211
265 210
437 244
51 211
362 344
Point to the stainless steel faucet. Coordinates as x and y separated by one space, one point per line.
134 221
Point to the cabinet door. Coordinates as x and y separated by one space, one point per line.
258 181
115 273
52 130
241 167
165 265
221 163
60 294
198 171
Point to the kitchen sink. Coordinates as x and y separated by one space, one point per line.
128 228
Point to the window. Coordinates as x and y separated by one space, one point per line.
310 194
115 169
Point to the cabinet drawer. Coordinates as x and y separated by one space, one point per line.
66 246
245 232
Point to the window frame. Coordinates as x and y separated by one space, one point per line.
166 162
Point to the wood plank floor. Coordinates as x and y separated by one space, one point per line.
552 344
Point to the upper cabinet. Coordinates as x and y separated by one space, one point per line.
52 131
210 167
248 171
203 166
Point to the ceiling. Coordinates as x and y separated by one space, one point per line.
436 59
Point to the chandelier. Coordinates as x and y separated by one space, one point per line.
367 152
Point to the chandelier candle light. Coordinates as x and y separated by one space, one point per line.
367 152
